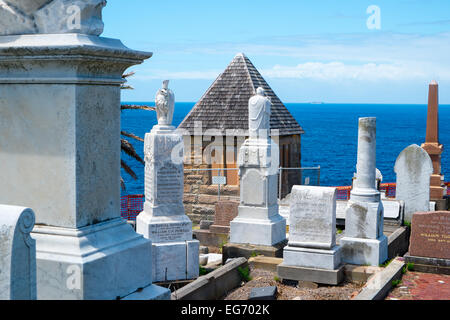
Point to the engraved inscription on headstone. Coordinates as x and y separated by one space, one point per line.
313 216
165 232
169 184
253 184
430 235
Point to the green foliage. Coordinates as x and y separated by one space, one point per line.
245 273
339 231
202 271
254 254
410 266
396 283
384 265
407 223
277 279
222 245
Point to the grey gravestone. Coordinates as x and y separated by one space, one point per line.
414 169
266 293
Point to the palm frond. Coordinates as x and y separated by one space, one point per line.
128 148
136 107
128 170
122 184
129 74
130 135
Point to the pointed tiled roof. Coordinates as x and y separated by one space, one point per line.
225 104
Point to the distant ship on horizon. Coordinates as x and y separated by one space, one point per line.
316 102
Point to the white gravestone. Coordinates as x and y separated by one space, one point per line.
163 221
60 151
364 242
414 169
312 231
17 254
258 221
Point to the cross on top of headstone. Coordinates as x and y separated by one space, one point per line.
51 16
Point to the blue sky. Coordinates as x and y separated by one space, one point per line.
308 51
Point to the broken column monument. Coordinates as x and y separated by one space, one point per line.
364 242
60 148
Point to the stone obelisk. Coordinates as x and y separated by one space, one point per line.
60 148
432 145
175 254
364 241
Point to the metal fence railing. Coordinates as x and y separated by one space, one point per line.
132 205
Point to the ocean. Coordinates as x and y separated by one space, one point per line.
330 139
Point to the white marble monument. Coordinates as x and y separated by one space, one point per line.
17 254
258 221
163 221
312 232
414 169
60 149
364 242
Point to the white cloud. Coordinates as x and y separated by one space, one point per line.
341 71
180 75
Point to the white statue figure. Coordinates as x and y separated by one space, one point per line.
259 110
165 104
51 16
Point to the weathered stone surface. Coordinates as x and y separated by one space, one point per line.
430 235
226 211
175 254
265 293
313 217
51 16
413 168
60 123
258 221
17 254
363 241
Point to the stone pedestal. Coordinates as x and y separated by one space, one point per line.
60 119
258 221
175 254
364 242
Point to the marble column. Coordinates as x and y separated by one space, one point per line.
432 145
60 150
364 241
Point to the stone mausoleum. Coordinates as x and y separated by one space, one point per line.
215 129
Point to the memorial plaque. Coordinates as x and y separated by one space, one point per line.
313 217
253 188
430 235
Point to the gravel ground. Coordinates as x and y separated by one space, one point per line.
262 278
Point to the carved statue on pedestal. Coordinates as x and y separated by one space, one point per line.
165 104
259 109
